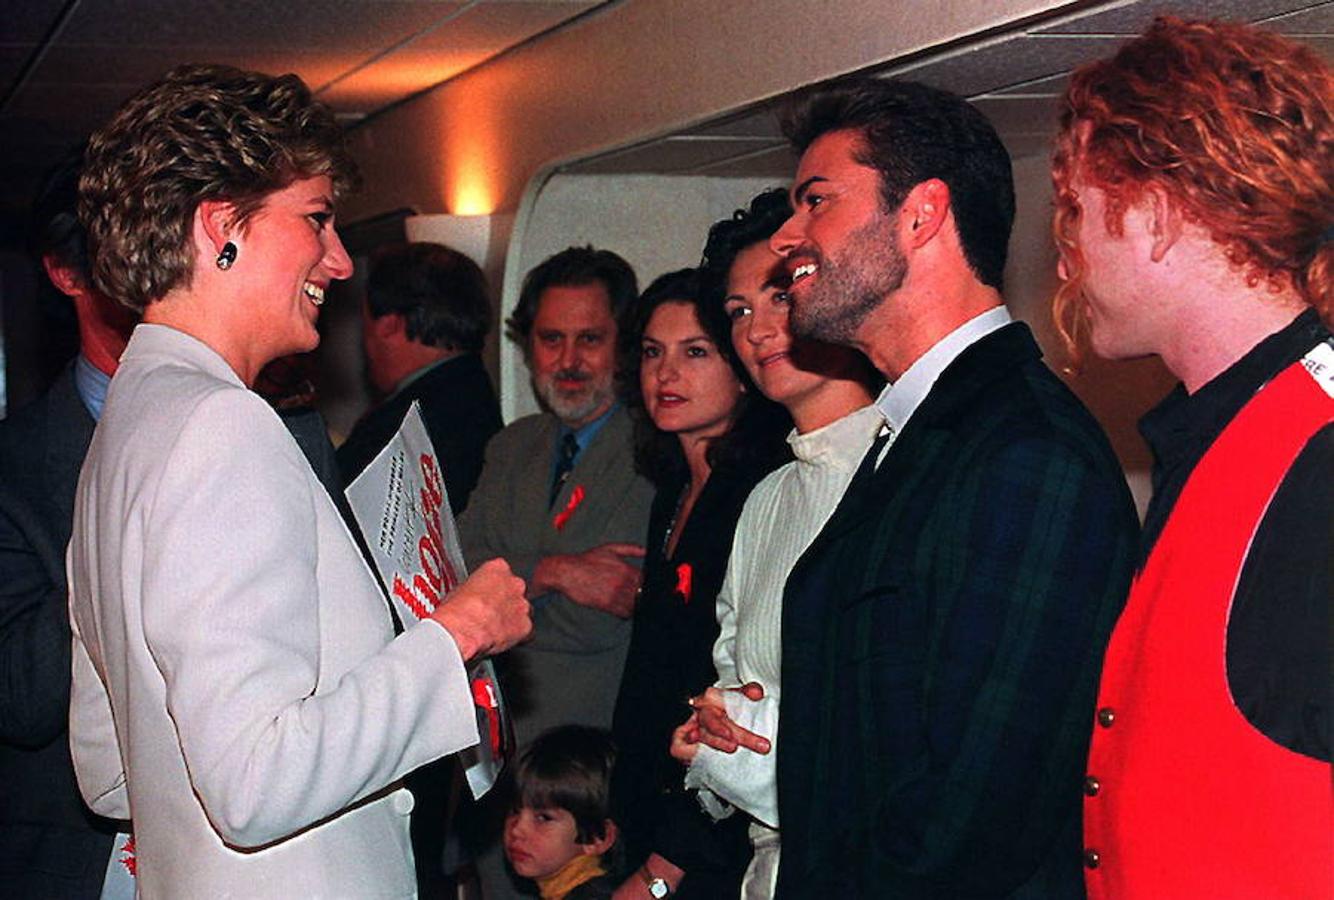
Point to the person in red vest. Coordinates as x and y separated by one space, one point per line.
1194 181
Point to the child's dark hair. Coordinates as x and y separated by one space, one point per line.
569 768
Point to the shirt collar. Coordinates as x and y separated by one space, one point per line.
900 399
418 375
584 435
91 384
1183 423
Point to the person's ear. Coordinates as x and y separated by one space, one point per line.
1165 222
215 225
599 846
389 325
66 280
926 207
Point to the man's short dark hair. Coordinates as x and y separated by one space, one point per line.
440 293
54 228
572 267
911 133
569 768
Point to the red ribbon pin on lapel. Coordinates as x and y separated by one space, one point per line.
576 497
683 579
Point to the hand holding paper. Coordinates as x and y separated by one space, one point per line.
487 613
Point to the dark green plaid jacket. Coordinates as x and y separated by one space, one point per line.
942 640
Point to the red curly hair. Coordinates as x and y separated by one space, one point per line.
1234 124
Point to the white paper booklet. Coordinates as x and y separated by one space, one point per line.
400 503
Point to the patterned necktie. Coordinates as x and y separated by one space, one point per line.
569 449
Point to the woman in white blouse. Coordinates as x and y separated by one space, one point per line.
238 688
827 390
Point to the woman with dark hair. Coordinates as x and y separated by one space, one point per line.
705 436
237 681
827 390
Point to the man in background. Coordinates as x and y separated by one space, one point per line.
424 320
52 845
560 500
1195 217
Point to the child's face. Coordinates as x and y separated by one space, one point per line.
539 842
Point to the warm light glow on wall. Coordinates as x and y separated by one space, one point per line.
472 157
470 198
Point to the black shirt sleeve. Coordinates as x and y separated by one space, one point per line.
1280 629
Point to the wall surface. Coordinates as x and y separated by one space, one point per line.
633 70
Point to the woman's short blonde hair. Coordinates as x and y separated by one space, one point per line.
201 133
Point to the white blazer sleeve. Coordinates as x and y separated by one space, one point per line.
233 621
92 733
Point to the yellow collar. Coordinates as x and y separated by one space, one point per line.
569 876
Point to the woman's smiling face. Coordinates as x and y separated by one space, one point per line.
288 254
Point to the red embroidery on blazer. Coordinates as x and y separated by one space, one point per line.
576 497
683 581
128 860
484 695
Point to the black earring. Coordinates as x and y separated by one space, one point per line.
227 256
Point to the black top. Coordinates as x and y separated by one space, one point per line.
671 659
461 413
1278 647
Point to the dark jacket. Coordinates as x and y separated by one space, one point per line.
52 846
670 659
942 640
459 407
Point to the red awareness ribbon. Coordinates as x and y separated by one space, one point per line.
576 497
683 581
128 860
485 697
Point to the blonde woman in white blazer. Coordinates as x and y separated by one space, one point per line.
239 691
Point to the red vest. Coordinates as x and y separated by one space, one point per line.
1184 797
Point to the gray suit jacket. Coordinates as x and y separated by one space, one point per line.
53 846
571 669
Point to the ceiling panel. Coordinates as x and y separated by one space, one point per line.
365 54
67 67
776 162
368 54
760 122
678 154
1001 63
27 21
332 26
1132 18
468 38
1318 20
1016 79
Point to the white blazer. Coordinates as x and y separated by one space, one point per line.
238 690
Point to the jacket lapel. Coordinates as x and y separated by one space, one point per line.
934 420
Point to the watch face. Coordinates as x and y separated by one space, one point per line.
658 888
